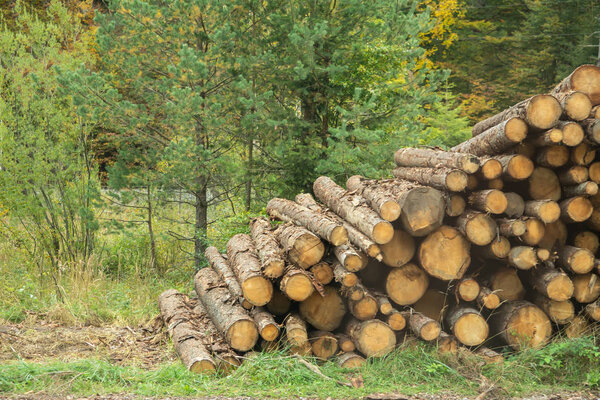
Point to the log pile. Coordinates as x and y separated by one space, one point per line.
491 243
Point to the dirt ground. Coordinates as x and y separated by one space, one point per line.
43 341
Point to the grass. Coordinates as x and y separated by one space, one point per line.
561 367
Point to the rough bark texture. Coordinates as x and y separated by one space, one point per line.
434 158
380 199
319 224
546 211
573 175
521 324
232 321
422 326
269 251
219 264
548 138
296 335
267 327
354 209
453 180
343 276
511 227
244 262
585 189
496 139
302 247
445 253
350 257
539 112
178 318
356 237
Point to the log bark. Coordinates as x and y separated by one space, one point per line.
575 209
267 327
552 156
383 304
467 289
574 175
231 320
478 227
373 338
546 211
559 312
319 224
380 199
587 240
296 335
576 105
455 204
350 257
488 299
515 205
399 250
584 189
490 168
353 209
544 185
325 312
522 257
350 360
453 180
583 154
540 112
445 254
496 139
586 287
511 227
296 284
343 276
177 316
467 325
573 133
323 273
585 79
575 259
407 284
302 247
423 326
356 237
219 264
490 201
521 324
396 320
434 158
268 249
244 262
324 344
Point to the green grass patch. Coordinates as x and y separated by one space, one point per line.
562 366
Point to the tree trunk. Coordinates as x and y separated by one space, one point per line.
380 199
399 250
303 248
445 254
575 209
540 112
244 262
232 321
576 105
296 284
407 284
153 265
511 227
585 79
200 223
326 312
177 316
351 258
373 338
267 327
546 211
433 158
585 189
522 257
467 325
353 209
521 324
319 224
444 179
496 139
559 312
324 344
478 227
356 237
268 249
544 185
515 205
296 335
219 264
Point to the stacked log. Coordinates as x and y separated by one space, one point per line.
491 243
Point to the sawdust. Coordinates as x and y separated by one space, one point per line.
45 341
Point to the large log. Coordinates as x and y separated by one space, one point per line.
575 209
574 175
244 262
407 284
219 264
555 235
585 79
515 205
490 201
296 284
445 253
551 283
356 237
453 180
586 288
521 324
324 312
433 304
177 316
373 338
302 247
594 172
587 240
467 325
269 251
478 227
232 321
435 158
296 335
496 139
280 304
573 133
353 209
380 199
544 185
319 224
576 105
399 250
540 112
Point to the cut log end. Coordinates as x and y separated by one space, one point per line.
456 181
298 287
407 284
490 300
523 325
576 209
422 210
572 134
445 254
549 212
543 111
324 312
520 167
390 211
481 229
430 331
471 329
585 79
397 322
399 250
308 250
257 290
516 130
468 289
351 360
522 257
560 288
373 338
242 335
491 169
202 367
338 236
383 232
577 106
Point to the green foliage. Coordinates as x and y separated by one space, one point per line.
48 177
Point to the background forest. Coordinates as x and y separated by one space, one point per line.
135 133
